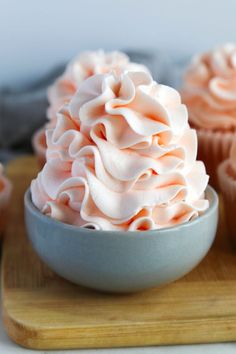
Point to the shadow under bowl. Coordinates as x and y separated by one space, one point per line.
117 261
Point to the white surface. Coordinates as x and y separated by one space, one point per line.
8 347
35 35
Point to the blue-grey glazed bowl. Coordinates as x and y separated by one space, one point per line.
121 261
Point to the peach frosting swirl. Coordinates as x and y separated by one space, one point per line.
209 89
122 157
84 65
232 159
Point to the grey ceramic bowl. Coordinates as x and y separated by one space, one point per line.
121 261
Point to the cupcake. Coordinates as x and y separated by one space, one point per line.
122 157
82 67
39 145
227 183
209 92
5 192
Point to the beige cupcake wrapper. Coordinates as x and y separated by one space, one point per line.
215 143
228 189
213 148
226 182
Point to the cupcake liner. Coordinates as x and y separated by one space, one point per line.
227 186
213 148
39 146
5 193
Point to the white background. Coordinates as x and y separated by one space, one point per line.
35 35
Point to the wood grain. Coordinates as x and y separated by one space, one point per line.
43 311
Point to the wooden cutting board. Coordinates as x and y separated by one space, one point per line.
43 311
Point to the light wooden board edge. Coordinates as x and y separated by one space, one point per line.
158 333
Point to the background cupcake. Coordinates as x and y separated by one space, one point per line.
227 183
85 65
209 91
5 192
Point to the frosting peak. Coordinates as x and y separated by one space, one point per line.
122 157
83 66
209 89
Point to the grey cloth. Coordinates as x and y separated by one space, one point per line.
22 111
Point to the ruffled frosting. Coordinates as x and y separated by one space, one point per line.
232 159
83 66
122 157
209 89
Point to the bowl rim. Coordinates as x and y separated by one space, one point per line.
214 202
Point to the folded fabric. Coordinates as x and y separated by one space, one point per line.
23 111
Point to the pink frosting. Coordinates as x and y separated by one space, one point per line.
209 89
5 189
85 65
232 158
122 157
